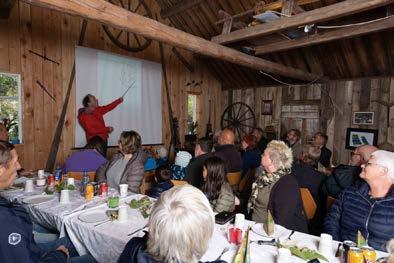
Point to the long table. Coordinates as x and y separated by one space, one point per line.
106 240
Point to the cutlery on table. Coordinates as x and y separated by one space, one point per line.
138 230
221 254
289 237
271 242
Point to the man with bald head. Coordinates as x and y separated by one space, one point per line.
344 175
4 136
227 151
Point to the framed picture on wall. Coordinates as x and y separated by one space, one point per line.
358 137
363 117
266 107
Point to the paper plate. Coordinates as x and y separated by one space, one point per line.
93 217
37 199
280 231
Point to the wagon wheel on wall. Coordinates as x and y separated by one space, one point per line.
126 40
240 118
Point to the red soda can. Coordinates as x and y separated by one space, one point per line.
103 190
51 179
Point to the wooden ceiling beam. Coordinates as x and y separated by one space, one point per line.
325 13
314 39
118 17
180 7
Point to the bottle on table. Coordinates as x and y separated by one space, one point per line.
58 175
85 181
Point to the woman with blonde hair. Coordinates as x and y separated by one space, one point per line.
277 190
180 227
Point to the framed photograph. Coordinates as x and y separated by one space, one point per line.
358 137
363 117
266 107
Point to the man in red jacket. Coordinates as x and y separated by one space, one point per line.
91 117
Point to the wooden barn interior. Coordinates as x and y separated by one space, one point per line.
349 68
312 65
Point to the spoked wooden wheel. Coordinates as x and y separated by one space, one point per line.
126 40
240 118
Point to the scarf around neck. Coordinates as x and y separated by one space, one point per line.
264 179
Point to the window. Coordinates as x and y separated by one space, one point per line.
11 106
192 116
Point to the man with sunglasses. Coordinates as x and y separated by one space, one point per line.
368 206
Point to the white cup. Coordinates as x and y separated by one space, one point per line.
325 245
123 190
239 221
41 181
29 186
65 197
284 255
70 181
122 213
41 174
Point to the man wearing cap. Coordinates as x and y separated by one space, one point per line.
368 206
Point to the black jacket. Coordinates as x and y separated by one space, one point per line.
325 156
308 177
16 237
134 252
342 177
194 170
231 157
286 205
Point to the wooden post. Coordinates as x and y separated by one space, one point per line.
59 129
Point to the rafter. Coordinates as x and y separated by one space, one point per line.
326 13
118 17
181 6
343 33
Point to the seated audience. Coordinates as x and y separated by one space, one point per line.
277 190
18 243
162 155
320 140
343 175
126 167
294 142
184 206
261 140
163 181
4 135
216 187
88 159
178 169
202 151
251 156
308 177
227 151
368 206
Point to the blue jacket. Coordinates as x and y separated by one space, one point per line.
159 188
250 159
16 237
354 210
134 252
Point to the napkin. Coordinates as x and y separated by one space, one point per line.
269 226
243 254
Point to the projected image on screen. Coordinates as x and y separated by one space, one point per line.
108 76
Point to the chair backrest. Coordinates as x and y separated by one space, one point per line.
308 202
178 182
330 201
147 182
234 178
79 175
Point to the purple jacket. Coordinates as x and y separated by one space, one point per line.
85 160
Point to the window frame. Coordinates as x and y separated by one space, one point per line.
19 99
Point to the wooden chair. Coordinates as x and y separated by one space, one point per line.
234 179
330 201
308 203
148 182
79 175
178 182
